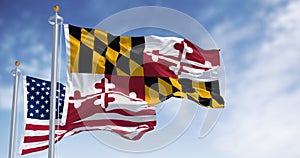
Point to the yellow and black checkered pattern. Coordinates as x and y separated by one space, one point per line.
98 52
204 93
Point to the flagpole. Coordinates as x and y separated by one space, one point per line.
54 20
14 73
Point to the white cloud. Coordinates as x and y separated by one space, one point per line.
262 120
30 49
38 68
37 49
34 56
7 96
268 2
31 69
7 43
234 32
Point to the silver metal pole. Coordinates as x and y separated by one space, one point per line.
55 20
15 73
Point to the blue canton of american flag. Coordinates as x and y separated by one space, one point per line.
38 98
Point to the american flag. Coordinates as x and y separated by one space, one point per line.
129 121
37 114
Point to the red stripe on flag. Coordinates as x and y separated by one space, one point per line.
159 68
120 123
200 55
27 151
36 127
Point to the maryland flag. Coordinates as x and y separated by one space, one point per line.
108 71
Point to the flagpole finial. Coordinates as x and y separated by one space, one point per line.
56 8
17 63
55 19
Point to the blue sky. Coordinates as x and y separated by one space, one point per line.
260 47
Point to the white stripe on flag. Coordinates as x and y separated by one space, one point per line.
114 116
41 132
